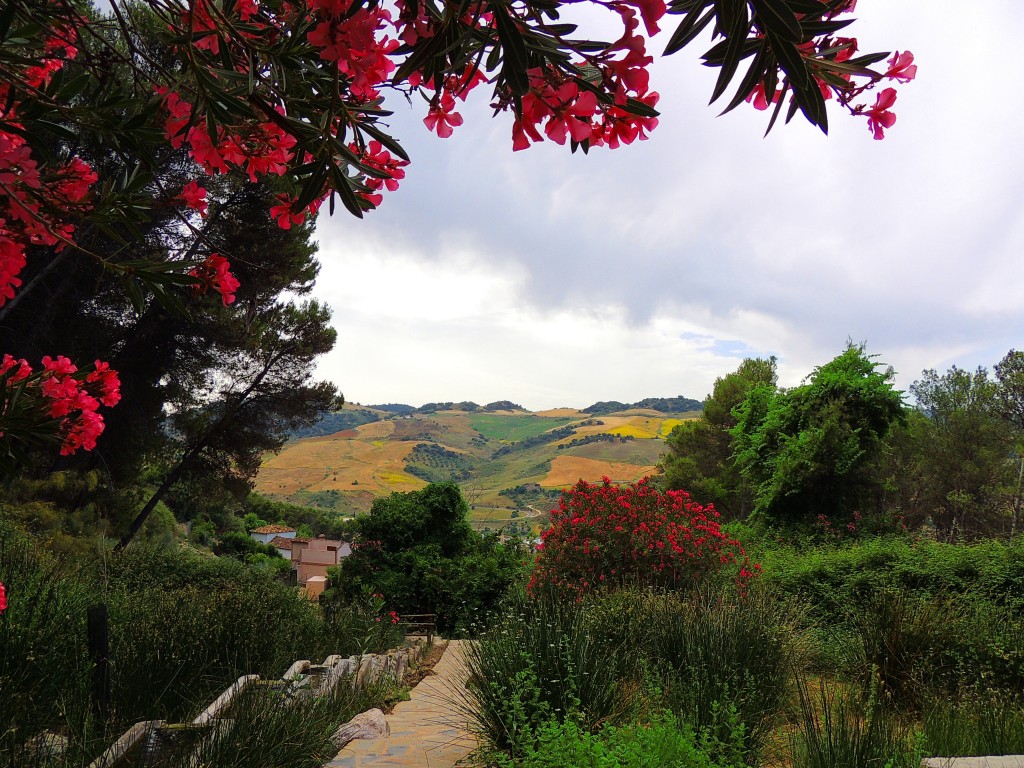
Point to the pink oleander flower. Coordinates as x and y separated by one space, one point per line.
879 116
902 68
443 118
215 272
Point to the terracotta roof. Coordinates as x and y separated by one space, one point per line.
280 542
299 540
273 529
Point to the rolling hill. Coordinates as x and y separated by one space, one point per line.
511 463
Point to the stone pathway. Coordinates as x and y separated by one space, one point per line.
426 731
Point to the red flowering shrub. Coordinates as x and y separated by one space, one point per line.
636 534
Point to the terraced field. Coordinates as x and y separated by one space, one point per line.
486 453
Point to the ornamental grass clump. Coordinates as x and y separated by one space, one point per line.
982 723
839 729
726 662
266 730
607 535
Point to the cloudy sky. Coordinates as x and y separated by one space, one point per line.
555 279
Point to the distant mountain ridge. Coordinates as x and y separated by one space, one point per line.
356 415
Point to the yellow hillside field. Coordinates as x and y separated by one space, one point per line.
669 424
337 464
569 470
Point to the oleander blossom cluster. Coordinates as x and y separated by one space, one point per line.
634 534
831 59
35 200
67 395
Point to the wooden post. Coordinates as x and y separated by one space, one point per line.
99 652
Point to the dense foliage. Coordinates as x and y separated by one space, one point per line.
809 449
844 455
182 627
700 456
420 553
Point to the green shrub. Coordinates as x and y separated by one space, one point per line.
829 580
542 662
662 742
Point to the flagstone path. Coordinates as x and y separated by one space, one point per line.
427 731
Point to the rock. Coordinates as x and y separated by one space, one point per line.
367 725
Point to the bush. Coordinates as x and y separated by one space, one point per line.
610 536
419 551
829 580
662 742
540 663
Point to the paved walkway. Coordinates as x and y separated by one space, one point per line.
426 731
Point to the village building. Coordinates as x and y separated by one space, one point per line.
267 533
309 557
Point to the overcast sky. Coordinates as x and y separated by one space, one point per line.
555 279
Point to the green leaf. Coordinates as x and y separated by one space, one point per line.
637 107
313 186
733 54
342 185
870 58
790 60
388 141
778 106
763 63
6 17
688 29
515 59
777 16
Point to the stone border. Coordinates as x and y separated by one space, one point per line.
301 679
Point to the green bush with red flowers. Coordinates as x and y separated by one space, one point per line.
610 535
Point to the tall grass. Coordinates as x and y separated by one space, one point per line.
919 648
182 628
980 724
727 659
268 731
177 643
44 665
838 729
542 662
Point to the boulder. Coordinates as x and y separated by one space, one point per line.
367 725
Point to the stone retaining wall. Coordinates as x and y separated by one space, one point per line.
301 680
